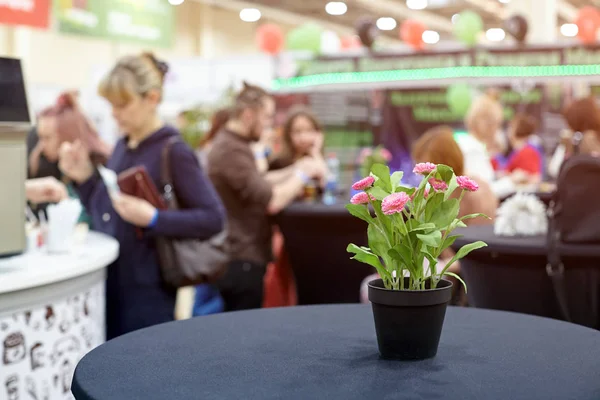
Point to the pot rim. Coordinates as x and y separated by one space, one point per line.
410 298
372 286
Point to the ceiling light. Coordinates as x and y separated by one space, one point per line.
386 23
336 8
455 18
495 34
250 15
175 2
416 4
569 30
431 37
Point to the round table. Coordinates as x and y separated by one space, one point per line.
316 236
330 352
510 274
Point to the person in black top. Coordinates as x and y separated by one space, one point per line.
137 295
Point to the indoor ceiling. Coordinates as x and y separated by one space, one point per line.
436 16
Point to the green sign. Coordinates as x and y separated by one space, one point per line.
147 22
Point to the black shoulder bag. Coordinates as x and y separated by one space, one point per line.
189 261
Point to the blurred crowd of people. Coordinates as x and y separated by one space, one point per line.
239 182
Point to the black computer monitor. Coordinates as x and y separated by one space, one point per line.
13 99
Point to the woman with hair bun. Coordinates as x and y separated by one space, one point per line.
63 122
136 295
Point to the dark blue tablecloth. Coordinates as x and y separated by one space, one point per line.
510 274
330 352
519 245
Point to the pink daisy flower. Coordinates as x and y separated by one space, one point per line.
466 183
364 153
364 183
385 153
361 198
424 168
394 203
438 185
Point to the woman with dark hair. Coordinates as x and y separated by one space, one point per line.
524 164
583 136
302 136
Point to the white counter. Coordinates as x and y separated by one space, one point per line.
39 268
51 314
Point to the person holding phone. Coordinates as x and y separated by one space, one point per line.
137 296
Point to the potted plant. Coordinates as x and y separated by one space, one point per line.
408 228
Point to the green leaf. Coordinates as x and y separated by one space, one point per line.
445 214
396 179
378 193
402 253
360 211
387 223
452 185
377 240
461 224
457 223
382 173
367 257
433 202
432 261
408 191
449 241
399 224
432 239
476 215
423 227
458 278
465 250
445 172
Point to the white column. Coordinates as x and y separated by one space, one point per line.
205 31
6 41
542 16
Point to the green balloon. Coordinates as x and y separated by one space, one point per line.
467 27
305 38
459 97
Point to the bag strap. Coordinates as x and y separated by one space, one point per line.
166 176
555 267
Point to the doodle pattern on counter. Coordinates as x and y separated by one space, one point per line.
41 346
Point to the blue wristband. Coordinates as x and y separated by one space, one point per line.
154 220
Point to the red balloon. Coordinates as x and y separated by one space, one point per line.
269 38
588 23
351 42
411 32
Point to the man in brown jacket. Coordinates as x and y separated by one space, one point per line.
249 196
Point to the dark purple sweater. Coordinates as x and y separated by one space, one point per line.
202 214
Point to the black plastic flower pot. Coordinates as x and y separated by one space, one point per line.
409 323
